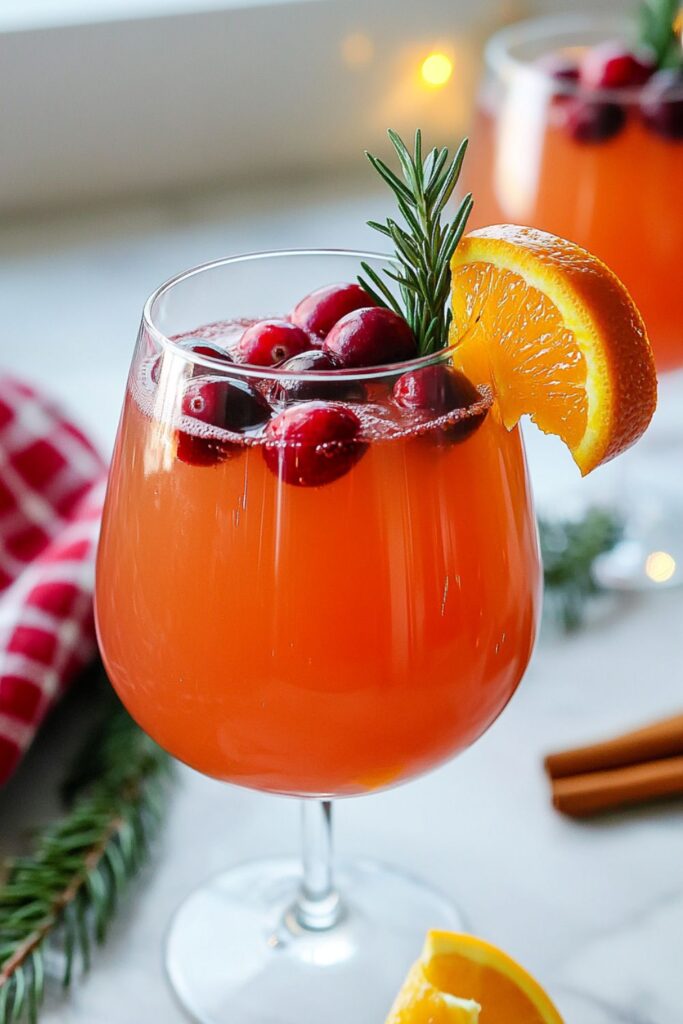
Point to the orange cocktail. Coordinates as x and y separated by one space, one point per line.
603 168
318 572
318 640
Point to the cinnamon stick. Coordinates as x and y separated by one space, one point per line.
662 739
582 795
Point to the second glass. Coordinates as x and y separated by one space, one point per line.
317 641
603 168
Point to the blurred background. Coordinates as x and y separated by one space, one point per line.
140 137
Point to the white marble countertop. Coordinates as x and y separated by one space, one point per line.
595 910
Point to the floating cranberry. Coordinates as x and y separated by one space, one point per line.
662 103
614 66
593 121
313 444
320 311
202 347
560 67
299 389
268 342
227 404
370 337
439 390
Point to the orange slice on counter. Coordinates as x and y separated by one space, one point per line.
462 980
557 335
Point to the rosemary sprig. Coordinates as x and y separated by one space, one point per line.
67 890
424 245
656 24
569 549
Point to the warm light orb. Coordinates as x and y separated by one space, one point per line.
357 49
660 566
436 69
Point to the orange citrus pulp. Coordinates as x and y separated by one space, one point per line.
462 980
557 335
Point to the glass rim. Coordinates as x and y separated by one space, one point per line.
500 59
167 343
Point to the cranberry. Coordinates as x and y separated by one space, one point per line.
593 121
560 67
320 311
662 103
198 345
614 66
438 390
313 444
370 337
299 389
268 342
227 404
202 347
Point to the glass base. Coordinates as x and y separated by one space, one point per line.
236 953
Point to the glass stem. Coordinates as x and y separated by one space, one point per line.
318 906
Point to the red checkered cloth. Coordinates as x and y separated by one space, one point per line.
51 491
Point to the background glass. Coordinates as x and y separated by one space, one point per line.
619 196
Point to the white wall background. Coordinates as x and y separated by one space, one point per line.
104 97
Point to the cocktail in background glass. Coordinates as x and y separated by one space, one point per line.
313 635
604 168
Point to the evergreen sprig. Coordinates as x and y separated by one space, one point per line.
657 31
424 245
569 549
67 890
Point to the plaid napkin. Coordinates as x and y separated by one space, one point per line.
51 491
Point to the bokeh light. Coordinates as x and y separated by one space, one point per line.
357 49
436 69
660 566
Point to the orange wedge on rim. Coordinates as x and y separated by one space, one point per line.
557 335
463 980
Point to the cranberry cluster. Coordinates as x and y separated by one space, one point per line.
591 117
315 437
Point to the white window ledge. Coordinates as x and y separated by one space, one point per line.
22 15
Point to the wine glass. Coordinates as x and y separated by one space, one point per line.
315 622
603 168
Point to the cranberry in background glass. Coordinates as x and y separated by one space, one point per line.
560 67
592 120
268 342
614 66
320 311
662 103
313 444
439 390
299 389
229 405
370 337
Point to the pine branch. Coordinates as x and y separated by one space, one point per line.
70 886
656 27
423 248
569 550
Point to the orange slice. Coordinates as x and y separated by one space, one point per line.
420 1002
557 335
463 975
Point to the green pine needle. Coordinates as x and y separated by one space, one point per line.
68 889
569 550
655 26
423 244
